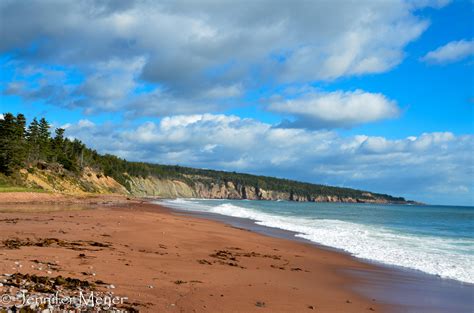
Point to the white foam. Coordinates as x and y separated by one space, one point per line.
448 258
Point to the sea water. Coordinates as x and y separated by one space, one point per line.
437 240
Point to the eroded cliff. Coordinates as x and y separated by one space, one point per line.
55 179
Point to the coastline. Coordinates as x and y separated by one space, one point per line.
401 289
166 262
253 267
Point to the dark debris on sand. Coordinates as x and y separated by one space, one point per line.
232 257
53 242
20 286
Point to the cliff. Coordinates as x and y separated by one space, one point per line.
54 178
35 159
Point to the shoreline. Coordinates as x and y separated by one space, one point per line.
409 290
324 278
165 262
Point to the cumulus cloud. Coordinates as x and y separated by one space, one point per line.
419 167
220 51
336 109
451 52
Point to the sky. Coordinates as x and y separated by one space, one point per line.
374 95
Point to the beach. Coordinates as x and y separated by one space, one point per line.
167 262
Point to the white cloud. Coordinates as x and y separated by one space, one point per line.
411 167
85 124
221 50
451 52
336 109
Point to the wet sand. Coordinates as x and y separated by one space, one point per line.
167 262
400 289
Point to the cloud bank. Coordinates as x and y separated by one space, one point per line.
117 55
429 167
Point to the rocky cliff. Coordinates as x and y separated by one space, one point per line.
230 190
54 178
166 188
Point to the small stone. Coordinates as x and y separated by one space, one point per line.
112 287
260 304
49 272
1 285
151 287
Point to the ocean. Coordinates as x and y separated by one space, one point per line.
437 240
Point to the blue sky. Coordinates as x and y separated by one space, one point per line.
371 95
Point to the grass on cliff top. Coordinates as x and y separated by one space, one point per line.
19 189
13 184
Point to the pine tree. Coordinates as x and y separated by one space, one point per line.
33 140
57 146
9 160
44 140
59 137
20 145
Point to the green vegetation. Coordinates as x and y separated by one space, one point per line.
19 189
32 146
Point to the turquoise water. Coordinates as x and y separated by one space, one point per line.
434 239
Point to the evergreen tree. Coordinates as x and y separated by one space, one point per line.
59 137
12 133
6 134
20 144
33 140
44 140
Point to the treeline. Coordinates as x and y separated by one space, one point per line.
22 146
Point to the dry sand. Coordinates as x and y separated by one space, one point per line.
164 262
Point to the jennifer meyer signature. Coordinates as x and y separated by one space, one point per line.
90 300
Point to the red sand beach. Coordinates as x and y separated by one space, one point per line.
164 262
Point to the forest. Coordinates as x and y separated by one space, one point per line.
24 145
